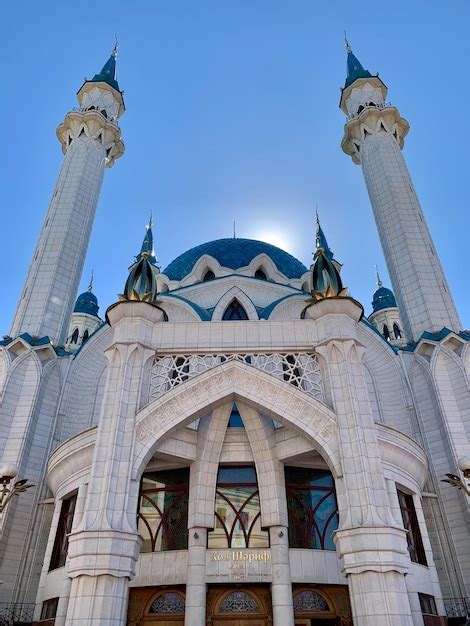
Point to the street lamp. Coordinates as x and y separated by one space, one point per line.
7 489
456 481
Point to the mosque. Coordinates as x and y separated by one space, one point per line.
234 442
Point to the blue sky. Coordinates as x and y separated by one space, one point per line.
232 114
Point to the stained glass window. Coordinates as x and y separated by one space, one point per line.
410 522
235 312
312 508
169 602
307 601
239 602
237 510
64 527
163 512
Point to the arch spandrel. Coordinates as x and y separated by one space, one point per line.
234 380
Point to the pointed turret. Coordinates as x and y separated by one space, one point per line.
326 281
385 315
355 69
141 283
108 72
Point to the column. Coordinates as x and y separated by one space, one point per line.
281 585
372 547
195 612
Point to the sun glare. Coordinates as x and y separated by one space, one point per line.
275 239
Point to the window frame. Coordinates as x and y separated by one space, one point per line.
411 524
64 528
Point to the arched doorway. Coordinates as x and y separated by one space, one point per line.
162 607
239 606
321 605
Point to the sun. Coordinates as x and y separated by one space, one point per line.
275 239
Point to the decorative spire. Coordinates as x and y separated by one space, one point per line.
355 69
108 71
141 284
377 276
90 286
320 240
326 281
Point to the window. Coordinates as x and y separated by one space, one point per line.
209 275
428 604
410 523
235 312
169 602
49 608
307 601
312 508
386 332
163 512
239 602
237 510
260 274
235 419
396 331
64 527
85 336
74 338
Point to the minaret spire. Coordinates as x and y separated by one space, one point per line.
326 281
141 284
51 286
377 276
418 281
90 285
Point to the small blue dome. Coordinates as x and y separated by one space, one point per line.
383 298
87 302
234 253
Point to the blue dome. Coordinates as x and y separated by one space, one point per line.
87 302
234 253
383 298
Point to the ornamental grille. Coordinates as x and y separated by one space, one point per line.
239 602
170 602
305 601
299 369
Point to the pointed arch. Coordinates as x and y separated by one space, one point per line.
234 312
235 293
228 382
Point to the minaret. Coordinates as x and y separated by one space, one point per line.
374 137
91 141
385 314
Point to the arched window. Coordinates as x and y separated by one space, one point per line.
235 419
234 312
396 331
74 338
312 508
237 510
209 275
307 601
86 334
163 510
386 332
103 112
260 274
239 602
168 603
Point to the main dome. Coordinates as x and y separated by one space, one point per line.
234 253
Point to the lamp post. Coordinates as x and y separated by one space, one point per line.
8 489
456 481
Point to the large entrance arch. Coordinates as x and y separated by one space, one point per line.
234 380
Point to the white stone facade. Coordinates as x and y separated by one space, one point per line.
316 387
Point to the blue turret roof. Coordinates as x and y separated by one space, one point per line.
234 254
354 69
321 241
108 72
383 298
87 303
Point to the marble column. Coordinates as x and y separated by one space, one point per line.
195 613
281 585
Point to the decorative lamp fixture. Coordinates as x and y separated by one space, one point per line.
8 489
456 481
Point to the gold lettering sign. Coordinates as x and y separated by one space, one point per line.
241 555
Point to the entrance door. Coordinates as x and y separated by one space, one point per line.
239 606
